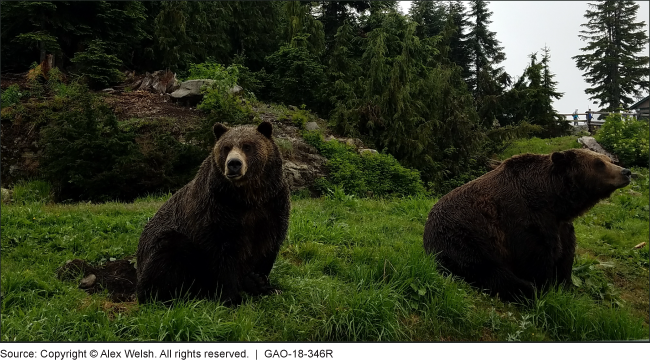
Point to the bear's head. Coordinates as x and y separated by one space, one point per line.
594 173
244 153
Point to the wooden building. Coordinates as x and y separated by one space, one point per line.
642 108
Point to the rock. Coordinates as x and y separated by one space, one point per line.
299 175
236 90
312 126
156 82
303 165
87 281
371 151
108 90
191 88
6 195
590 143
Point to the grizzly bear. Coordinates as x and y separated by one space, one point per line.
220 234
510 231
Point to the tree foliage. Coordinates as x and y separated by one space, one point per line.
612 62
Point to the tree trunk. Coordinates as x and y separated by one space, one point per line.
41 47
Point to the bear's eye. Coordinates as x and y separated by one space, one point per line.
247 148
226 149
599 163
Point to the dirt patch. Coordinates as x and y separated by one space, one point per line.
9 79
118 277
143 104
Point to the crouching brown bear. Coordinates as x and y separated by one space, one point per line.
510 231
220 234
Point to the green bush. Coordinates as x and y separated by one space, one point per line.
86 156
626 137
97 66
366 174
225 77
220 105
11 96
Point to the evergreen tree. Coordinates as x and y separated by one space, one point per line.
456 27
611 59
253 30
531 98
191 31
417 110
32 29
484 50
335 13
430 16
302 28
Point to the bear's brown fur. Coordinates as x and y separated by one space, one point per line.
220 234
511 231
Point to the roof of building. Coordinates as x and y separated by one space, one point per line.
634 106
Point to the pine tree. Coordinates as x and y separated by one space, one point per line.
531 98
485 52
456 27
611 59
302 28
430 16
335 13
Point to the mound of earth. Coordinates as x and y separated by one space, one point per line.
118 277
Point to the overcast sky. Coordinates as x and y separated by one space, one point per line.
524 27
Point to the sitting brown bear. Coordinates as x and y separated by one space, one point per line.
220 234
510 231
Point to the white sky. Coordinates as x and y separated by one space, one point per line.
524 27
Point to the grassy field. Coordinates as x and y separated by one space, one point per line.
350 270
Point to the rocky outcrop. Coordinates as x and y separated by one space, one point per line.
161 82
590 143
302 164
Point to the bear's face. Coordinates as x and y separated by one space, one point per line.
241 153
594 172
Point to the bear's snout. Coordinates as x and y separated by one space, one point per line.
234 166
626 172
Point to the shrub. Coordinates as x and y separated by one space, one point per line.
86 156
626 137
11 96
217 101
368 174
98 67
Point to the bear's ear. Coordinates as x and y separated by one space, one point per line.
266 129
562 159
219 130
558 158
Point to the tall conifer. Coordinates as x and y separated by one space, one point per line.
611 60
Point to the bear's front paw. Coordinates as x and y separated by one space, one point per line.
255 284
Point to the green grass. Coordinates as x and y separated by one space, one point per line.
540 146
350 270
